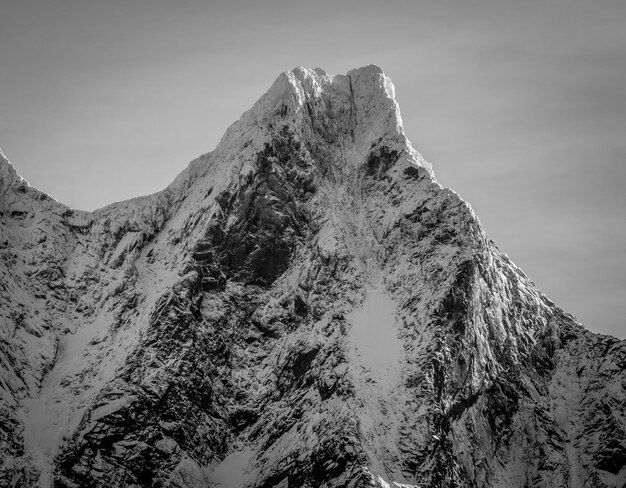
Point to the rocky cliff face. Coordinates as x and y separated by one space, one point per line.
305 306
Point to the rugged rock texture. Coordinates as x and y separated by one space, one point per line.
305 306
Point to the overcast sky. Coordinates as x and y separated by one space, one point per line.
519 105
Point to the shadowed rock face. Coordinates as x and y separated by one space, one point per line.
256 228
305 306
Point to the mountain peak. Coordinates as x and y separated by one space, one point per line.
303 306
357 109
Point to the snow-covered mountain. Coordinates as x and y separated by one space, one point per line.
304 306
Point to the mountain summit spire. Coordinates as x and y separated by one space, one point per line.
358 109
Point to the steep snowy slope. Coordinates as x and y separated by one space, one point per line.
305 306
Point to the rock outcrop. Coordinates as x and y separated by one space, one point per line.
304 306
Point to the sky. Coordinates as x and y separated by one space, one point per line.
519 106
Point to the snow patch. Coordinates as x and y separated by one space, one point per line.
377 349
377 359
231 472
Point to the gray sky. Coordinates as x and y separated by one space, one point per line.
519 105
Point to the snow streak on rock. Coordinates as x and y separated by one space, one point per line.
304 306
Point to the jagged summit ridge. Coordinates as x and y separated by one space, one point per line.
359 109
363 100
304 306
